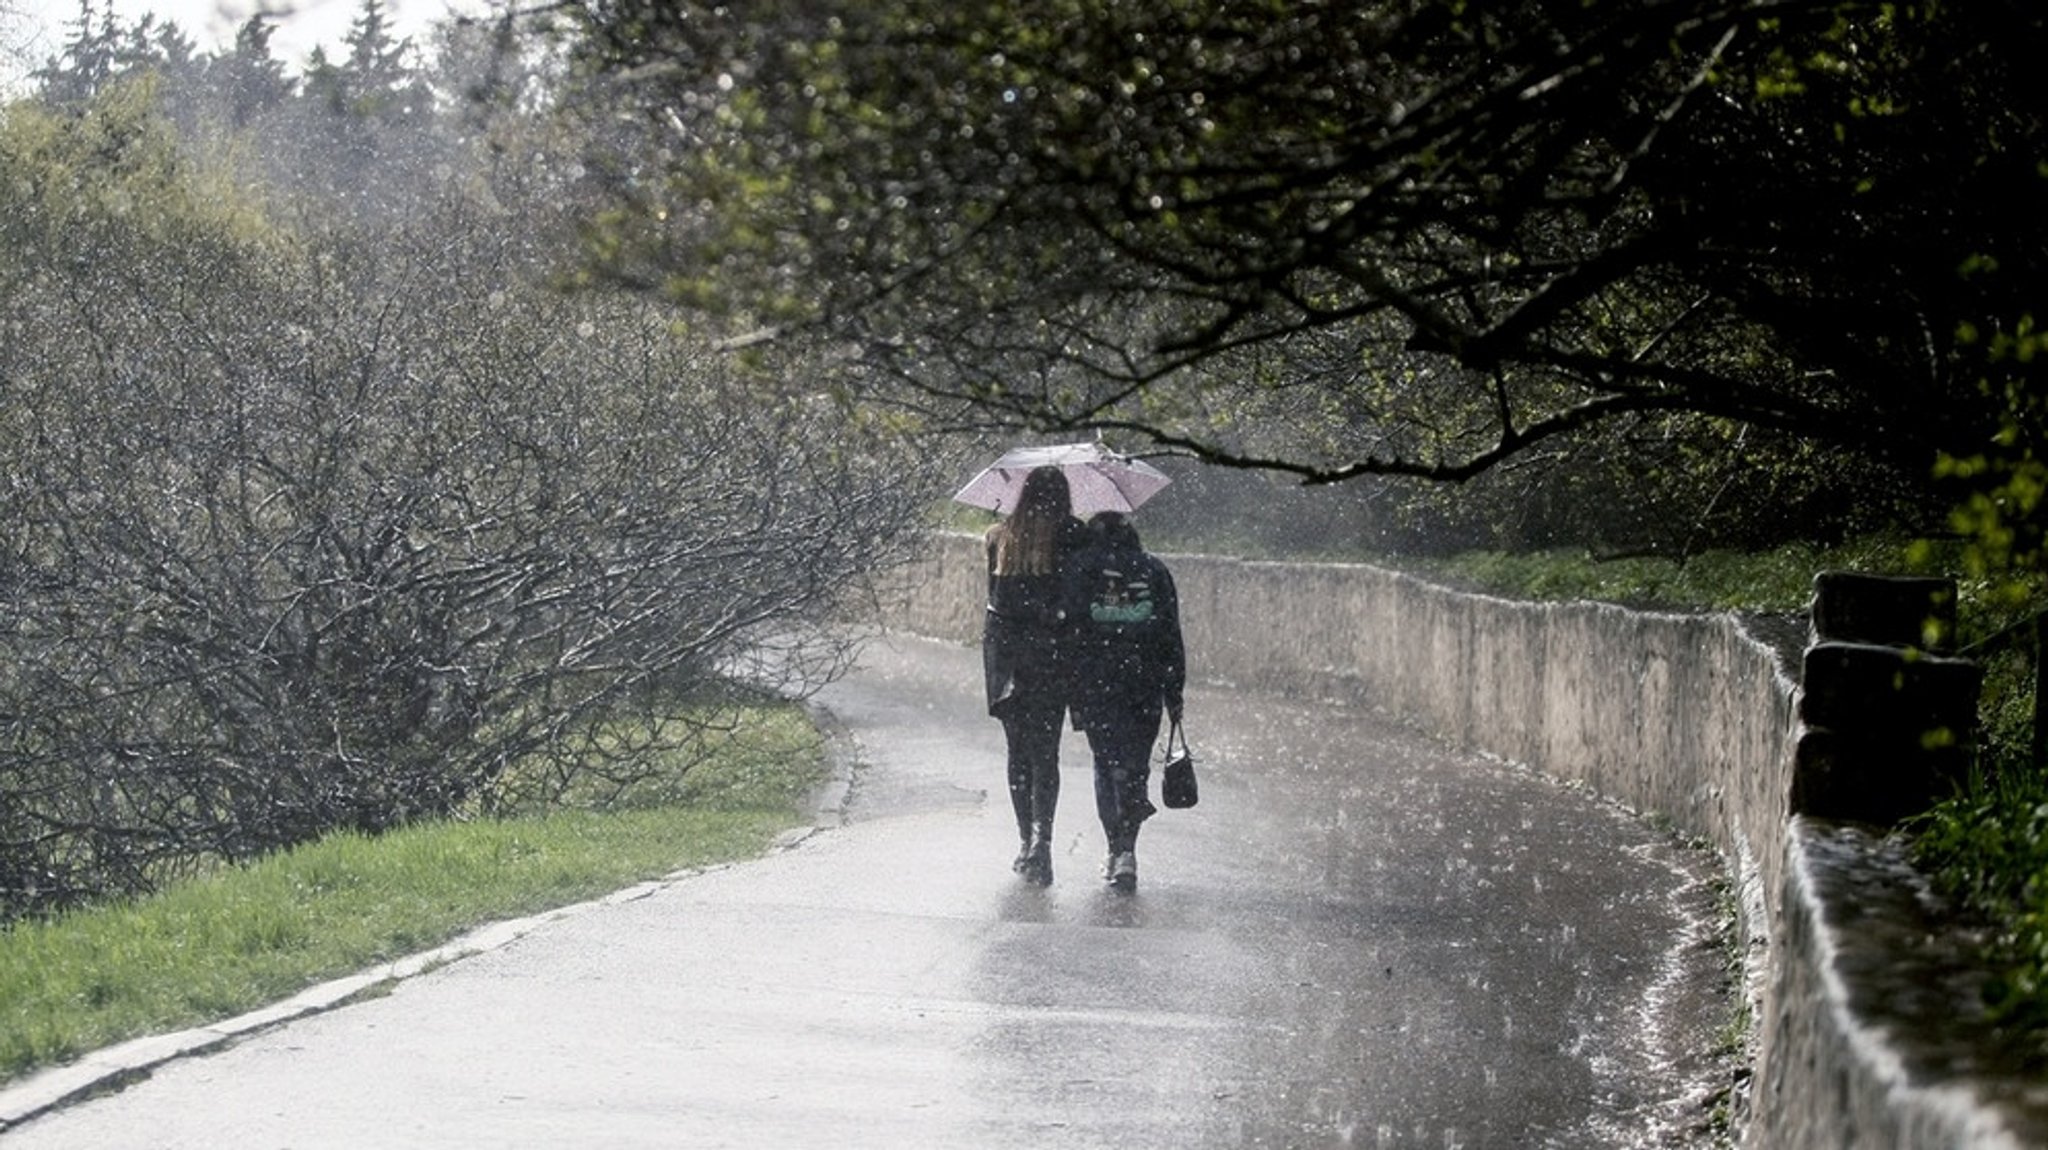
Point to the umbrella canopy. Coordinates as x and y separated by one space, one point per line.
1100 479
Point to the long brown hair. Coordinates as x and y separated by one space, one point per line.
1027 543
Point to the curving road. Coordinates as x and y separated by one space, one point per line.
1360 938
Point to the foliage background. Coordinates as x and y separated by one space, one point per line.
328 506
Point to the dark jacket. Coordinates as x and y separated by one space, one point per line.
1023 631
1125 650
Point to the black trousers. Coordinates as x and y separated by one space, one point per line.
1122 745
1031 728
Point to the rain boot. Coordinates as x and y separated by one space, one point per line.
1035 864
1120 870
1021 802
1123 872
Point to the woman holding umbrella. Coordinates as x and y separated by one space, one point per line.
1022 636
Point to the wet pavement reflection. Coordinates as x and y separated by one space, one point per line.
1359 938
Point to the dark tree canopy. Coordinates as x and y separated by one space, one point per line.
1339 239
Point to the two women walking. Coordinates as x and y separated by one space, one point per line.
1079 619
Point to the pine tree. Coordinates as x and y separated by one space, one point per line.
87 63
376 70
248 79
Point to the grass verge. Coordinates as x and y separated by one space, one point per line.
216 946
1768 581
1988 848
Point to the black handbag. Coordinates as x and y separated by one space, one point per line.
1177 787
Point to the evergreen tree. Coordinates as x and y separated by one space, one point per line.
86 64
377 73
248 80
366 134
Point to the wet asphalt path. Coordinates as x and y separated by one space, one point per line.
1358 939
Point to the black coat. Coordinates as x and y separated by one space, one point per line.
1024 631
1124 652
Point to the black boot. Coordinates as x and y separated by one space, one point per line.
1122 872
1035 864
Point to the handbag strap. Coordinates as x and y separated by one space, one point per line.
1175 733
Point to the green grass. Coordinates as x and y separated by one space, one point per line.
1779 580
1770 581
212 947
1988 847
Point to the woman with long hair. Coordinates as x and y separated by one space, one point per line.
1022 636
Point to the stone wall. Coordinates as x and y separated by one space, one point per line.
1692 717
1689 716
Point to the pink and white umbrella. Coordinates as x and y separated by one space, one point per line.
1099 479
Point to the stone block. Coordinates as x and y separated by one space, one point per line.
1855 778
1890 689
1890 731
1900 611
